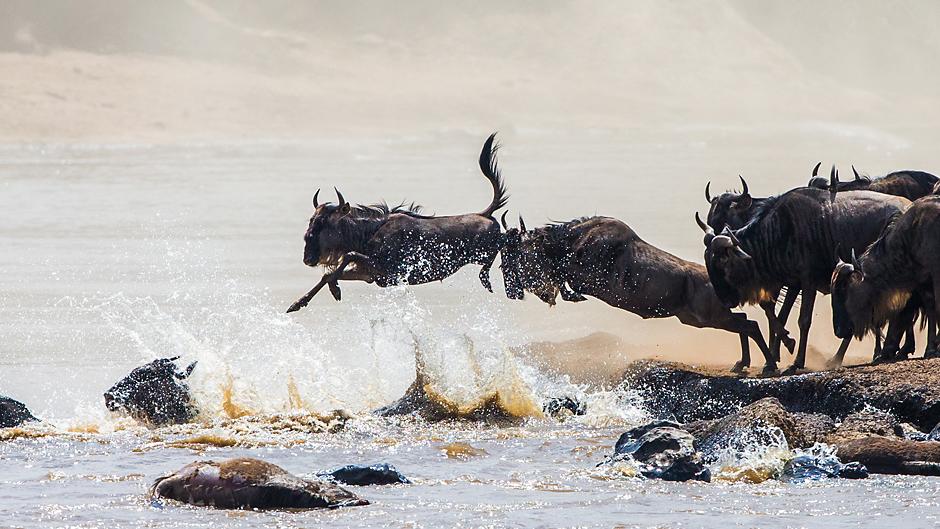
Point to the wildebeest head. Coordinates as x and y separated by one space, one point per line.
322 235
537 263
729 208
728 265
845 278
154 393
509 258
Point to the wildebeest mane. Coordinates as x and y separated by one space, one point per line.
925 180
383 210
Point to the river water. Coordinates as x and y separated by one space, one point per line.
113 255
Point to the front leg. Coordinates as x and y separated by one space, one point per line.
363 262
485 271
805 320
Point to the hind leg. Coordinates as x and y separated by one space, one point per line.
805 321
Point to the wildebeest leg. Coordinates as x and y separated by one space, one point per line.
747 329
804 321
836 360
782 334
364 264
931 349
485 272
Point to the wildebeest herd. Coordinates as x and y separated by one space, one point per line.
873 243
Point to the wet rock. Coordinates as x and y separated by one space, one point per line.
246 483
13 413
810 467
909 431
661 452
759 423
381 474
909 390
866 424
154 393
893 455
934 434
563 406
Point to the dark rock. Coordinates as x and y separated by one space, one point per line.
562 406
908 390
810 467
246 483
893 455
853 470
758 423
382 474
934 434
662 452
13 413
154 393
635 433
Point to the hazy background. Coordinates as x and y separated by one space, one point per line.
148 145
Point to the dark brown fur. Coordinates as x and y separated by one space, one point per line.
604 258
389 246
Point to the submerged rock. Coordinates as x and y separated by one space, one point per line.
564 406
381 474
246 483
661 452
154 393
866 424
909 390
820 465
13 413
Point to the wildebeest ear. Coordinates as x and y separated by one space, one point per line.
744 202
345 208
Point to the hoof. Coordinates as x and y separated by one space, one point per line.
931 354
793 370
334 289
833 364
770 369
739 367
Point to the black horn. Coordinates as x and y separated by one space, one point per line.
816 169
502 219
744 184
521 224
857 177
709 232
833 183
708 195
339 197
315 203
855 263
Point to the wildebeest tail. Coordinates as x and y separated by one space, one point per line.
490 168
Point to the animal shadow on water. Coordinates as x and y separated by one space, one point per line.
392 245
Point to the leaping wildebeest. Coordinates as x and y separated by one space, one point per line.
604 258
393 245
792 240
904 261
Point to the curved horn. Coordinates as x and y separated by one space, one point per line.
734 238
503 220
521 224
816 169
705 227
339 197
744 184
833 183
855 262
315 203
708 195
856 173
